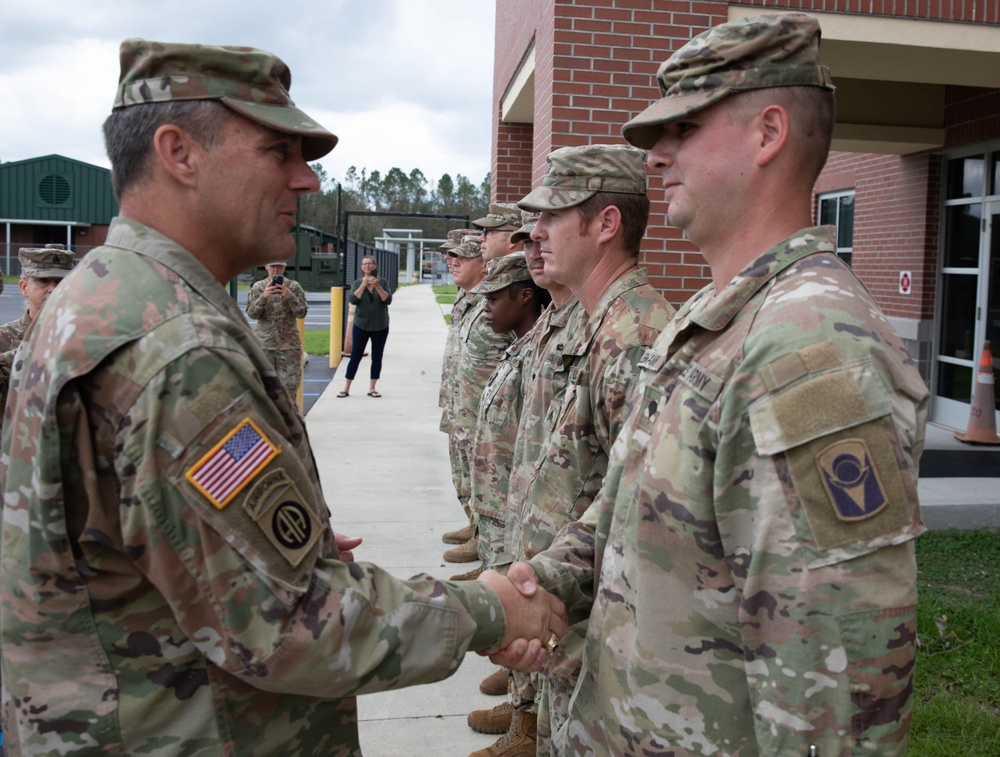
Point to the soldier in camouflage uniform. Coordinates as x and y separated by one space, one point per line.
750 561
276 307
170 581
466 265
594 211
496 228
41 271
479 350
513 303
540 389
454 238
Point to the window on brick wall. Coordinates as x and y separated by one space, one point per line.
837 209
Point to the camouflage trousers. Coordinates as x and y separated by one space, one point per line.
460 453
524 690
491 543
288 365
463 487
552 702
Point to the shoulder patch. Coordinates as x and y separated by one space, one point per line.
230 465
851 480
277 506
853 490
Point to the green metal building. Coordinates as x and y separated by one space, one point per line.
53 199
58 200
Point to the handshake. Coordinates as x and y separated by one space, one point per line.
535 619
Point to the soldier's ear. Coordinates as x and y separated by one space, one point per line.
177 154
610 223
773 127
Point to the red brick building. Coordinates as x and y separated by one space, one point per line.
913 184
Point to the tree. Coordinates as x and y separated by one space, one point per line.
393 192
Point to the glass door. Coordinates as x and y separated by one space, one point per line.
970 285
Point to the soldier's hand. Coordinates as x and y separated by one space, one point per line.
533 617
345 546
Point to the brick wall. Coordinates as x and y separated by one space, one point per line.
972 115
518 24
595 66
511 173
974 11
896 224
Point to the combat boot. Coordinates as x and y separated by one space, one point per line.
472 575
460 536
465 553
519 741
495 684
496 720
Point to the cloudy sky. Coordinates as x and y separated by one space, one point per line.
404 83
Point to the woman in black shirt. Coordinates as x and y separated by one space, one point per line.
371 322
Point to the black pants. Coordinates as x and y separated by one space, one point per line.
359 342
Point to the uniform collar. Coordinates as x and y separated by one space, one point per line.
714 310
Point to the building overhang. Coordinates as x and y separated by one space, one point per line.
517 106
891 75
36 222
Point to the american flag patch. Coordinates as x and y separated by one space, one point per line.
232 463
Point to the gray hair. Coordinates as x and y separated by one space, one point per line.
128 134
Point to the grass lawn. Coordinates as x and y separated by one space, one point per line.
445 293
317 342
957 681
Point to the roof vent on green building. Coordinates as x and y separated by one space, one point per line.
54 190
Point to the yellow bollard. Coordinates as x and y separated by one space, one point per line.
336 324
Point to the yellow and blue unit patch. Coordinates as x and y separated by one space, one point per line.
230 465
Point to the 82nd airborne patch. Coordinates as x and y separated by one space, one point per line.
278 508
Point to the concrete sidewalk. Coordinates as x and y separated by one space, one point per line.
385 472
386 475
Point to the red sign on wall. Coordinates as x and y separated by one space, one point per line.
905 282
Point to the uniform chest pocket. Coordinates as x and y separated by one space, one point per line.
500 396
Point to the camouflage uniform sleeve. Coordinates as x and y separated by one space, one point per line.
567 567
828 626
11 335
255 302
6 361
297 302
613 376
250 574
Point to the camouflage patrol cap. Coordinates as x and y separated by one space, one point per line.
523 234
50 262
500 215
576 174
469 247
252 82
455 238
502 272
757 52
